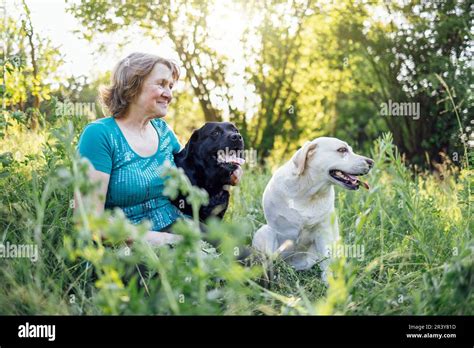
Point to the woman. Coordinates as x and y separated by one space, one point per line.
127 149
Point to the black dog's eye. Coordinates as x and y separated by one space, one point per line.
215 133
342 149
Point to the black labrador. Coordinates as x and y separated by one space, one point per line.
211 159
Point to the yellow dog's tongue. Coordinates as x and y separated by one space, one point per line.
356 179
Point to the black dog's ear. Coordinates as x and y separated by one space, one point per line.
189 148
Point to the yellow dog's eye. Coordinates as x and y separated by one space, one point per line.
342 149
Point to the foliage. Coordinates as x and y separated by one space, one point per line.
307 68
27 67
416 232
310 67
403 49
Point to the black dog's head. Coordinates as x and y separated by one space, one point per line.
215 151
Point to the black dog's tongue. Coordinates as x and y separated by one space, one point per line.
231 159
237 173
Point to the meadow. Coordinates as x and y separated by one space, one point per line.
414 227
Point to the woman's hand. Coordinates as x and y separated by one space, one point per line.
97 200
158 238
162 238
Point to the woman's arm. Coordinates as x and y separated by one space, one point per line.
96 199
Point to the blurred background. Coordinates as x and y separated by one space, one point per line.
373 73
284 71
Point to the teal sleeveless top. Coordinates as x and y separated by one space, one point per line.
135 185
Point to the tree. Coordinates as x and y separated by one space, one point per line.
28 61
184 23
401 59
274 64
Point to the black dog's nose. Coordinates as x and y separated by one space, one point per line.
235 137
370 162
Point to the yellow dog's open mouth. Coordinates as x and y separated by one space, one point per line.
350 181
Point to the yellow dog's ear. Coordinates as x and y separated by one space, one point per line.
301 156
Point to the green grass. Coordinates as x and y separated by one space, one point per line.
416 231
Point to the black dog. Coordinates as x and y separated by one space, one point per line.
210 159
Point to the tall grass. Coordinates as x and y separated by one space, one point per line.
415 229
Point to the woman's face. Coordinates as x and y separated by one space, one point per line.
156 93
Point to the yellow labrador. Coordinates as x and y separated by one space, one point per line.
299 200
